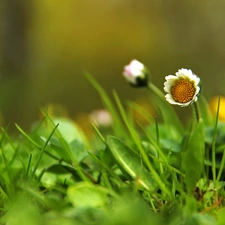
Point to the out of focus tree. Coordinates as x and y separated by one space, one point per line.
54 41
15 19
14 52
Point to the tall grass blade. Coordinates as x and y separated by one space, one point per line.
117 125
42 152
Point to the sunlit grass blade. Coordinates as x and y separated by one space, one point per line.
27 136
221 169
135 137
117 125
142 111
34 143
137 141
214 143
16 154
42 152
157 131
29 165
99 133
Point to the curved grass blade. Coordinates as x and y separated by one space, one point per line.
117 125
138 143
42 152
34 143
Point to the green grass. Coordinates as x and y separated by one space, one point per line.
159 173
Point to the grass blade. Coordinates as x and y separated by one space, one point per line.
42 152
117 125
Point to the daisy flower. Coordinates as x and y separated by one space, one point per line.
183 88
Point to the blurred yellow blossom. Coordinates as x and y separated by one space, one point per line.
213 103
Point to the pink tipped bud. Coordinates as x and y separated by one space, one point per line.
136 74
101 118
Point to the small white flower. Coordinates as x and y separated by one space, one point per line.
101 118
136 74
182 89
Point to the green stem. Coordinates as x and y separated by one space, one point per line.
221 167
197 112
214 145
156 90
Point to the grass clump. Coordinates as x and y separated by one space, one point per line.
160 172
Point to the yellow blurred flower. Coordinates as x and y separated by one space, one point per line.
213 104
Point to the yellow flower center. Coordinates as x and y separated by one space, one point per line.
183 91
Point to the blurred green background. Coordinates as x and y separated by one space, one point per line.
45 45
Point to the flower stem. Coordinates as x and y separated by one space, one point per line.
197 112
156 90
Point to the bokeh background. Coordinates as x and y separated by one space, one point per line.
45 45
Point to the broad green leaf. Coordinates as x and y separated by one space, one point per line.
86 195
65 144
131 163
66 147
69 130
78 149
106 157
220 216
193 156
48 180
170 145
59 169
58 175
150 149
201 219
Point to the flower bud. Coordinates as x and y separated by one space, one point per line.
101 118
136 74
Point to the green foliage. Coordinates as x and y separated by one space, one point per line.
193 156
157 173
132 164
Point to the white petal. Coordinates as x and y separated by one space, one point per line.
184 72
135 64
170 81
169 77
